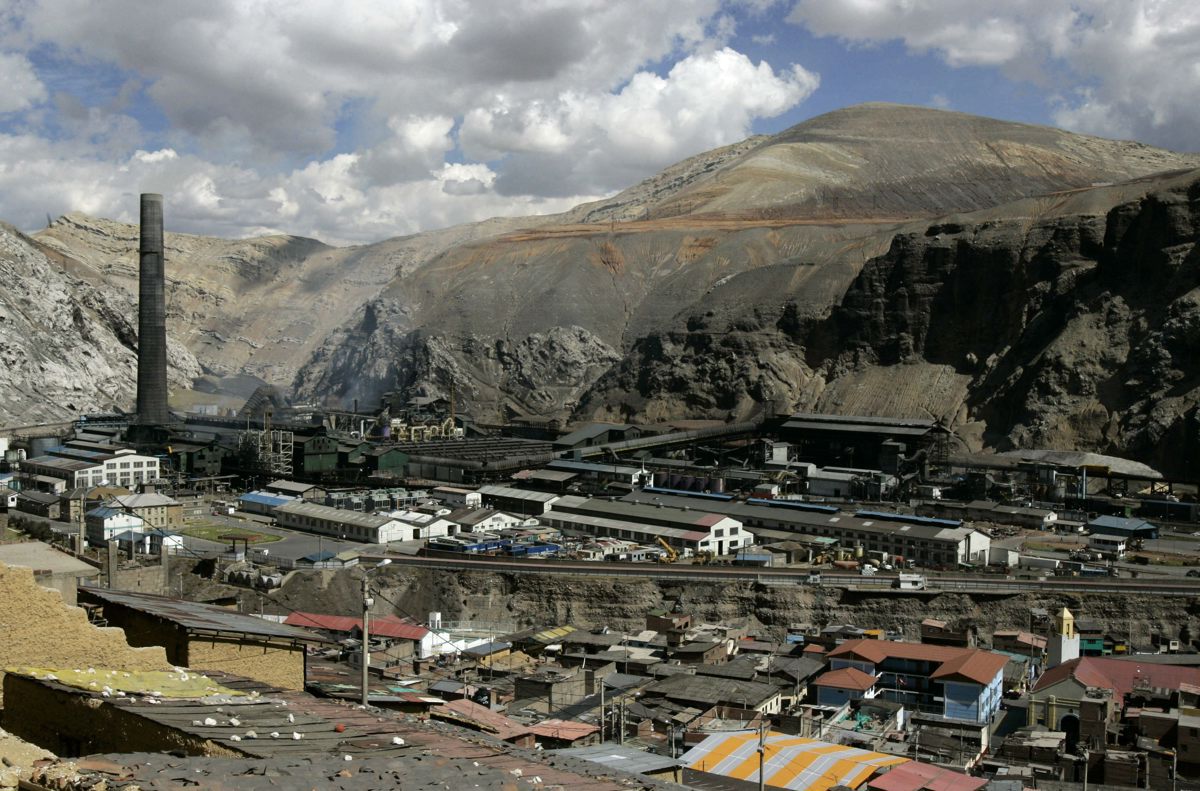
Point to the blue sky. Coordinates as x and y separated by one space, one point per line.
357 120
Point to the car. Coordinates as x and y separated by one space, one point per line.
1193 572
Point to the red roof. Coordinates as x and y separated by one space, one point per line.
846 678
328 623
969 664
396 628
1119 675
914 776
813 648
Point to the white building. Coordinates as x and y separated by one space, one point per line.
456 497
341 523
487 520
421 526
80 468
104 522
682 528
1109 546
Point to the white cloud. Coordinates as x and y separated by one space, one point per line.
354 120
22 88
603 141
1138 61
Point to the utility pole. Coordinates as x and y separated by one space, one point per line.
762 751
367 601
601 710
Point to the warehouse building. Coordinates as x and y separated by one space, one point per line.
118 467
341 523
682 528
929 542
517 501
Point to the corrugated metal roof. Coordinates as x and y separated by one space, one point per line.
618 756
567 730
329 623
914 776
262 498
789 761
552 635
339 515
201 617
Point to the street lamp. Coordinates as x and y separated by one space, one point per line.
366 633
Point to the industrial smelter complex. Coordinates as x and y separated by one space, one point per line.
182 529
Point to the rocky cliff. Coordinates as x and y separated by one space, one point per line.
519 601
1065 322
878 259
67 344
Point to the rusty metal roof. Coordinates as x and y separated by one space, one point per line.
386 749
197 617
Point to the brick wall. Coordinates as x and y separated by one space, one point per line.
280 666
39 630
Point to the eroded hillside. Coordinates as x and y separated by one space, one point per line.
879 259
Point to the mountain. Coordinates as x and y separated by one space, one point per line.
67 345
879 259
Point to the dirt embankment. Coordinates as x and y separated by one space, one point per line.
543 599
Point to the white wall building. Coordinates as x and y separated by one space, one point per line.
104 522
341 523
79 468
421 526
457 497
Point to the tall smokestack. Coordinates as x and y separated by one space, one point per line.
152 317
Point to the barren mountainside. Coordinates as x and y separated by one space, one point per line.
1026 284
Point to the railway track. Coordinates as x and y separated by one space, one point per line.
935 584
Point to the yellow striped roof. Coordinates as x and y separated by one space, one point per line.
790 762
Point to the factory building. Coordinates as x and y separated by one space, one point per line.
929 542
340 523
117 467
517 501
861 442
682 528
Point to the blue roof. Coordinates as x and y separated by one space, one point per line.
797 505
686 493
105 511
265 499
128 535
320 557
1121 524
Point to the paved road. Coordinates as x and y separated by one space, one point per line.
292 544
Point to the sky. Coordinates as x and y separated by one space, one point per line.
359 120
